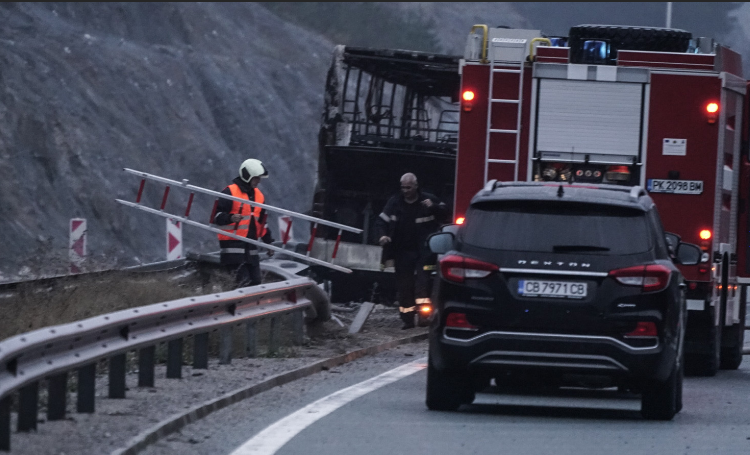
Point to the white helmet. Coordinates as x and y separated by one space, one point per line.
252 168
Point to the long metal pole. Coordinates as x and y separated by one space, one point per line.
270 208
669 14
237 237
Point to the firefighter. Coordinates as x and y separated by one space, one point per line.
245 220
403 226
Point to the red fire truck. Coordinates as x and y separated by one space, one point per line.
628 106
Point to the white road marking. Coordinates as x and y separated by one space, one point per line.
273 437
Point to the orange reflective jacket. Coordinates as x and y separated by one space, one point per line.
247 211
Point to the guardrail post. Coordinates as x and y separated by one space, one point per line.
200 351
117 376
174 359
146 366
5 423
251 339
57 388
225 345
28 407
298 326
86 388
273 336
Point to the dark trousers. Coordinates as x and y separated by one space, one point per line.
412 280
248 274
246 267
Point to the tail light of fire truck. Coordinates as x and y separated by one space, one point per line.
467 100
460 220
712 112
705 236
618 173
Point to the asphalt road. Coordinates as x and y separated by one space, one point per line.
393 419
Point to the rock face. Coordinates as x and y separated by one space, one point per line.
181 90
184 91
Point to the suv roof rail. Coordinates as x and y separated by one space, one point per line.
636 192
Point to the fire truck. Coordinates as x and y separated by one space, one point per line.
619 105
629 106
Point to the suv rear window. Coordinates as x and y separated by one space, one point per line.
557 227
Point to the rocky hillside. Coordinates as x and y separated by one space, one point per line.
186 91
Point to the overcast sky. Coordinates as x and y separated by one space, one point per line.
700 18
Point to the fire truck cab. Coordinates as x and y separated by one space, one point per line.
629 106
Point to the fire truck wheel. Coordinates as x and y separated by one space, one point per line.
707 363
447 391
731 356
661 400
680 377
627 38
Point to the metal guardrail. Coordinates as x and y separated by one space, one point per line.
163 266
52 352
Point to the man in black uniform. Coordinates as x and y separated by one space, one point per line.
244 220
403 227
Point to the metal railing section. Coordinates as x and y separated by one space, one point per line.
50 353
212 228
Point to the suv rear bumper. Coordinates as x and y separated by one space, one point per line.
550 354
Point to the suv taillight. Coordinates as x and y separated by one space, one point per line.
457 268
649 278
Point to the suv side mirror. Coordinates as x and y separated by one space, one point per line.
452 228
441 242
672 241
688 254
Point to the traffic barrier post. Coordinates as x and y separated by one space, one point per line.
146 358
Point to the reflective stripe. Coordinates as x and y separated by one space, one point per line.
233 250
425 219
239 251
248 211
411 309
429 267
384 217
426 300
394 218
232 225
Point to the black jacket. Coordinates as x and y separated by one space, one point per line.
409 225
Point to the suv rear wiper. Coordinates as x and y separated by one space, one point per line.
559 248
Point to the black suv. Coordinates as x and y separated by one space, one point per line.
560 283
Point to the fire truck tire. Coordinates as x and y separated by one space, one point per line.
708 362
680 378
627 38
447 391
731 356
661 400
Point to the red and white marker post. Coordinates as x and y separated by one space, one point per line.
285 229
77 244
174 240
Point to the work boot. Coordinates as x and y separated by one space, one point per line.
408 319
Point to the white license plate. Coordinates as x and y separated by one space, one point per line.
543 288
675 186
